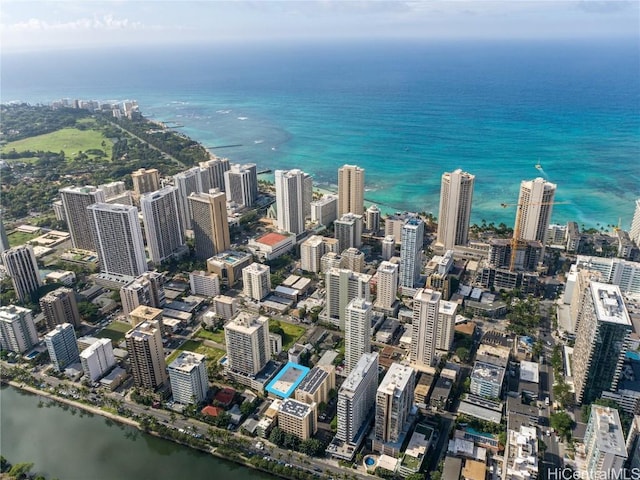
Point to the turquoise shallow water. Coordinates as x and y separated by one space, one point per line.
405 112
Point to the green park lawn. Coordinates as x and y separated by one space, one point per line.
70 140
20 238
115 331
217 336
291 334
212 354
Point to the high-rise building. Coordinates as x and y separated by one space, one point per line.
187 182
112 190
616 271
188 377
342 286
357 331
633 443
162 224
213 173
145 181
59 306
241 184
350 190
62 346
209 223
4 239
146 290
456 195
17 329
394 400
247 341
144 344
388 247
446 325
372 219
602 340
534 210
348 231
20 263
149 315
325 210
387 287
118 239
353 259
411 252
294 192
312 250
75 201
256 281
426 305
97 359
204 283
357 398
297 418
604 443
634 233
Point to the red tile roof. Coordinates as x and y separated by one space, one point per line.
225 396
212 411
271 239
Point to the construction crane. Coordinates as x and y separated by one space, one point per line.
515 241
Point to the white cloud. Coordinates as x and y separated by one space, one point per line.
106 22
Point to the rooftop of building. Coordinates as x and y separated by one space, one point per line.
474 470
59 328
225 396
487 372
246 322
388 267
608 430
187 361
397 379
12 312
448 308
313 380
145 312
608 303
361 369
142 330
287 380
271 239
230 257
295 408
256 267
529 372
95 345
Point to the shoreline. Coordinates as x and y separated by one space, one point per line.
131 423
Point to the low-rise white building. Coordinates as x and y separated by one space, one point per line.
204 283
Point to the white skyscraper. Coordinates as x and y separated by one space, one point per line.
22 267
187 182
604 444
62 346
294 192
357 331
325 210
188 377
256 281
247 341
342 286
118 239
162 223
388 247
241 184
534 211
97 359
372 219
394 400
356 398
387 287
456 195
312 250
634 233
411 252
446 325
75 201
426 305
350 190
213 173
17 329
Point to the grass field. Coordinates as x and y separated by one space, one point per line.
70 140
291 334
115 331
212 354
217 337
20 238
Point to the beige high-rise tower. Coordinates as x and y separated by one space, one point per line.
456 195
350 190
144 344
145 181
209 223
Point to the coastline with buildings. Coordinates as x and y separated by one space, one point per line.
221 321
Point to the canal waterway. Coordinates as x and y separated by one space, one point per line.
71 444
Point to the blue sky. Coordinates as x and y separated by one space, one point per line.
40 25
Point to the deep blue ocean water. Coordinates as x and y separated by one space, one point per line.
405 111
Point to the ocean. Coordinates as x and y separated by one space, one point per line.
405 111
